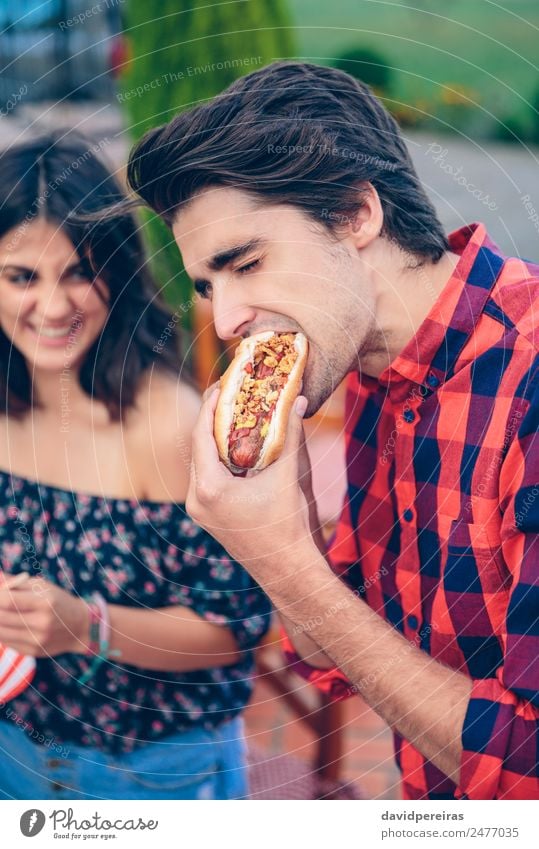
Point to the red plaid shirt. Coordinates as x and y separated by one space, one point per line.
439 530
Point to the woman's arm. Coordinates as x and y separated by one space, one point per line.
168 639
44 620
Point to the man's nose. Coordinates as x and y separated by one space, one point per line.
230 319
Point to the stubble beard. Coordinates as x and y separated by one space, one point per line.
323 375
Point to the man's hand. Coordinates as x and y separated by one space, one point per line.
260 518
40 619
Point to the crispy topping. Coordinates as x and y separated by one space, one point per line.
249 421
264 379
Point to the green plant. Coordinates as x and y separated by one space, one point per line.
369 66
183 54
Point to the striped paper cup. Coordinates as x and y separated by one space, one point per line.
16 672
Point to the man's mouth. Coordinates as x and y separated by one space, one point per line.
256 331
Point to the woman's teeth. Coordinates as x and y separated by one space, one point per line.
53 332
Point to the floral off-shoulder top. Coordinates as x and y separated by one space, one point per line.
143 554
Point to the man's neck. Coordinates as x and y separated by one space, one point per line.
405 296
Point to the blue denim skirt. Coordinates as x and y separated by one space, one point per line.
196 764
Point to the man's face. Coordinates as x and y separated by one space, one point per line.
273 268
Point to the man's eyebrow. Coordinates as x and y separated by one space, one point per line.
223 258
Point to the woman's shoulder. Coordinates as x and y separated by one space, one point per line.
159 435
168 401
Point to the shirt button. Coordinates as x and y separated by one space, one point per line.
408 415
408 515
432 380
412 621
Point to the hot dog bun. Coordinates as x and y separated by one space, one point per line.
231 383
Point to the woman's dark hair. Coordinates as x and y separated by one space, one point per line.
292 133
59 179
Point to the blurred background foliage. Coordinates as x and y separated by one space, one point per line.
457 67
468 66
193 54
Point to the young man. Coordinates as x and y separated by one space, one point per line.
295 205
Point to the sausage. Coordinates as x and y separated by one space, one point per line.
264 371
257 393
245 450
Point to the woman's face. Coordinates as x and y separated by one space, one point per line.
50 307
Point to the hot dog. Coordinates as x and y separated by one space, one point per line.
257 393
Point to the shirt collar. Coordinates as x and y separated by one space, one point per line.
429 357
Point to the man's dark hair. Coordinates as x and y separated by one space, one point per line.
59 179
291 133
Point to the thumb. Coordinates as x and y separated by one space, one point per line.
300 406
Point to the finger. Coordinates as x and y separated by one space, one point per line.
23 581
206 466
13 639
203 438
12 581
16 621
208 392
304 464
22 599
294 433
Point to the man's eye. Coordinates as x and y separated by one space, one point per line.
203 289
249 266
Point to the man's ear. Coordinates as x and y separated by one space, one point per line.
367 223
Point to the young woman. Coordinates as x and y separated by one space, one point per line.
141 624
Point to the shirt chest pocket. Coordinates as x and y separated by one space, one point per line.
472 557
471 597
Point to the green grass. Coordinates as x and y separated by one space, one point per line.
488 48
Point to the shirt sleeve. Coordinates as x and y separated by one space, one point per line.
501 728
218 589
332 682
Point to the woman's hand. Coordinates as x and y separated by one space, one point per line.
262 516
40 619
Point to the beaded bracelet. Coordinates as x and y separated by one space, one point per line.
95 626
99 636
104 621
